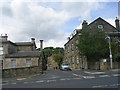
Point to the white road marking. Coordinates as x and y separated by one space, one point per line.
62 79
104 76
94 72
115 85
83 76
39 81
76 78
87 77
96 86
105 85
99 86
51 80
75 74
116 74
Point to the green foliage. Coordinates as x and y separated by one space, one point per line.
49 51
58 50
58 58
116 57
92 43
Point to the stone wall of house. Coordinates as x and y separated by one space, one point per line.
21 71
72 55
9 48
5 47
20 62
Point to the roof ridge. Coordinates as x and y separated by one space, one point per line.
103 20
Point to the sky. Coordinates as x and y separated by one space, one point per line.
51 20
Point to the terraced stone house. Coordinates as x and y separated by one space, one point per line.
20 58
71 54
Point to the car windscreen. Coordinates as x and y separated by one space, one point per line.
64 64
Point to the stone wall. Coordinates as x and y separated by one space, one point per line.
72 55
106 65
94 65
20 62
102 65
9 47
52 64
20 71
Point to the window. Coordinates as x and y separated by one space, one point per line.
13 63
77 59
1 50
28 62
1 64
100 27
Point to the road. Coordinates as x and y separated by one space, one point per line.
70 79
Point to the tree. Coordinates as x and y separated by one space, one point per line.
93 45
49 51
58 58
58 50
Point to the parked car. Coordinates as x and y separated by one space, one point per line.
65 67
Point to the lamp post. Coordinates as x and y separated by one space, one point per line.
109 41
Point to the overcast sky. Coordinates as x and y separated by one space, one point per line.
52 21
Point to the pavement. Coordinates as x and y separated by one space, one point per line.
20 78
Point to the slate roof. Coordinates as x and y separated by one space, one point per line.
19 43
24 54
7 41
24 43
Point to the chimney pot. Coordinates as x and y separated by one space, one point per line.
84 24
3 38
41 44
117 23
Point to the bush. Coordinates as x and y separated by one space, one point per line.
116 58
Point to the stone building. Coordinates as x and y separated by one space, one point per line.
20 58
71 54
51 64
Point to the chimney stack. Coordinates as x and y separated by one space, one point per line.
41 44
3 38
84 24
117 23
33 40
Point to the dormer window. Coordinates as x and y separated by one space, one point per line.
100 27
